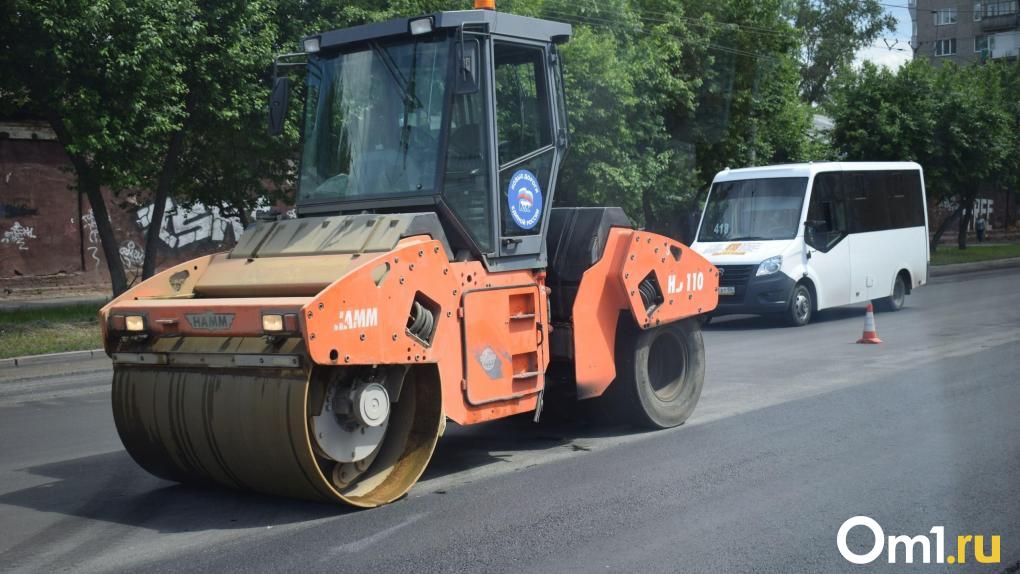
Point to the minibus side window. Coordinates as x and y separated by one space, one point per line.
905 206
868 194
826 223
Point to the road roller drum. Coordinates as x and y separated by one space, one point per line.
253 429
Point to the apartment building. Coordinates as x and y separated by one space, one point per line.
965 32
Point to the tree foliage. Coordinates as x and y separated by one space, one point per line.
960 124
104 74
833 31
662 95
168 97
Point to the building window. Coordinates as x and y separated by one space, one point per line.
945 47
977 11
945 17
983 43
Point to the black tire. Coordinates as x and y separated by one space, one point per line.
801 309
659 375
897 299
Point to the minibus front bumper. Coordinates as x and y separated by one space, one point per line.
742 292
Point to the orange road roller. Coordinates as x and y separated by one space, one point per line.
426 277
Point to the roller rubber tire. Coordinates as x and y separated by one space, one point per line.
659 375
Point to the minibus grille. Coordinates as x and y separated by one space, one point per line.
735 275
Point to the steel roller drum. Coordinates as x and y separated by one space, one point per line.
249 429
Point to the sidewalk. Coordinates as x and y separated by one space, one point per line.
18 305
958 268
53 358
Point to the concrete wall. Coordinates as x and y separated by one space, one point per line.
964 31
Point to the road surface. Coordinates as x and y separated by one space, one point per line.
797 431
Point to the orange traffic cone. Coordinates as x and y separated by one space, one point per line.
870 336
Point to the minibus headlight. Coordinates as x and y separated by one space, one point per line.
770 266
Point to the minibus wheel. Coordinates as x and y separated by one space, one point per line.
898 298
802 306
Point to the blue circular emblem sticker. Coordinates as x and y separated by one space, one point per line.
525 198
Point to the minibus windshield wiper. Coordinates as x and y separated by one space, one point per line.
749 238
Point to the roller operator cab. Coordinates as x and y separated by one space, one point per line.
790 240
427 277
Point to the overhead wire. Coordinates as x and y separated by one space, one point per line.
929 10
614 24
588 21
654 17
666 18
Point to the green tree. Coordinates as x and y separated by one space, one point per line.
833 32
169 97
1009 77
219 154
624 78
160 97
747 112
103 75
663 94
953 121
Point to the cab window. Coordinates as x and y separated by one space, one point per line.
467 176
524 130
522 104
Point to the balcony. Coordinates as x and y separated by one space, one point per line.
1001 15
1005 54
1000 22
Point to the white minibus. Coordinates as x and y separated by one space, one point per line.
794 239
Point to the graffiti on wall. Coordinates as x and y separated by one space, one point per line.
183 226
10 211
131 256
17 235
88 222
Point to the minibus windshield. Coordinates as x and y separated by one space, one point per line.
754 209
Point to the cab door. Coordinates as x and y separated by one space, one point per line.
826 240
526 142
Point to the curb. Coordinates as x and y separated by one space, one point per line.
51 358
958 268
8 305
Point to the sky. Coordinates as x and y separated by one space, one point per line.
882 56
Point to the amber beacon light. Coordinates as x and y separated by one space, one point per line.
485 4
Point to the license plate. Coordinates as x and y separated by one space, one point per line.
727 290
